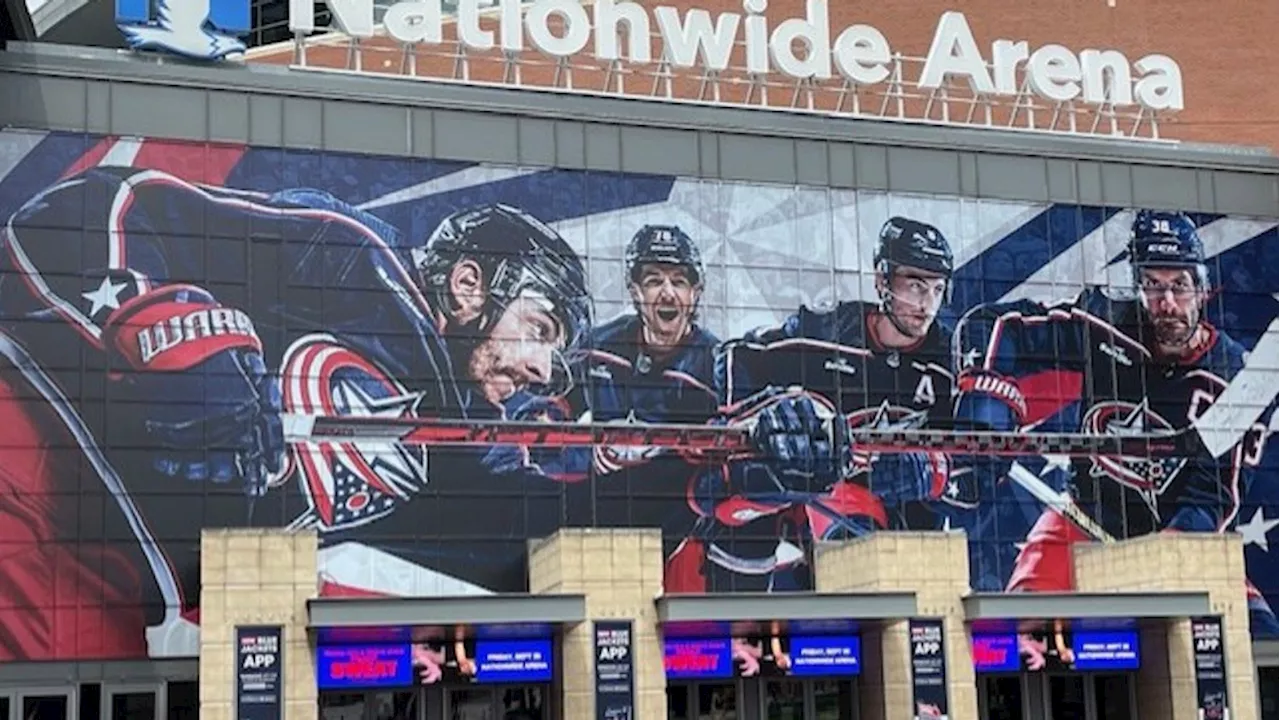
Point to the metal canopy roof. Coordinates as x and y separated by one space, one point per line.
445 610
1038 606
735 607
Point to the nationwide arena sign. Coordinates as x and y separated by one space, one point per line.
670 53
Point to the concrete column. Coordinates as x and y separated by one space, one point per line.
620 572
256 577
935 566
1194 562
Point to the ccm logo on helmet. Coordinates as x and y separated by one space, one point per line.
1163 248
199 325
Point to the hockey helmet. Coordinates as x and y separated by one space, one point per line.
1166 239
911 243
517 253
663 245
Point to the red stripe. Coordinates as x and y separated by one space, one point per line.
207 163
92 157
1049 391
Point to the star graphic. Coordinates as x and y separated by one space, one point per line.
1055 462
1133 424
404 468
1255 531
106 296
970 357
883 419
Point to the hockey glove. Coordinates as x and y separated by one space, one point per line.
791 430
204 395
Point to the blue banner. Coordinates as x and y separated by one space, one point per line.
1105 650
500 661
824 655
615 670
260 673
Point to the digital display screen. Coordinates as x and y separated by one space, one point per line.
1101 650
1082 650
342 667
499 661
688 658
996 653
762 656
816 655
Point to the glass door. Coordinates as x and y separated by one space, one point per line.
1114 697
784 700
1000 697
132 703
469 704
1066 698
50 704
7 706
834 700
702 701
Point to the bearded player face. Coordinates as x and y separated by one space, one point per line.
522 349
1173 302
519 347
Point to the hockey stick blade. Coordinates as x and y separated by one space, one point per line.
714 439
1238 408
1058 502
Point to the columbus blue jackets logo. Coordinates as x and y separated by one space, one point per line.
1148 475
882 417
349 483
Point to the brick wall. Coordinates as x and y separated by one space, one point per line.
1228 55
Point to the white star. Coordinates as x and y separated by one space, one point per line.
1255 531
107 295
970 357
1055 462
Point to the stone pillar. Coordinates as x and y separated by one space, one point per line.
256 577
933 565
620 572
1186 562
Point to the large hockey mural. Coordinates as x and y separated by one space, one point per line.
171 314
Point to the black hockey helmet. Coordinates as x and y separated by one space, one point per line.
517 254
911 243
663 245
1167 240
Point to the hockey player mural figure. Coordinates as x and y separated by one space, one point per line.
653 365
148 372
883 364
1102 365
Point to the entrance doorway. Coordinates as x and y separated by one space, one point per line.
780 698
1057 696
516 702
38 704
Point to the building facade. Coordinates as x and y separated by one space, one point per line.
394 384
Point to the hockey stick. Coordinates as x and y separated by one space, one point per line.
719 440
1215 431
715 439
1059 502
